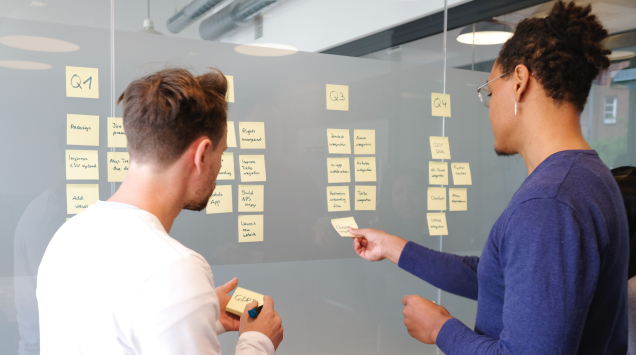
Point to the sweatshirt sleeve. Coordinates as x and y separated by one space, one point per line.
452 273
550 270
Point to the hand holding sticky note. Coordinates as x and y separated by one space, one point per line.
242 298
342 225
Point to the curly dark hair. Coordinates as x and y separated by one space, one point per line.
564 51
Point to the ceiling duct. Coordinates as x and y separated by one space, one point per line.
190 13
233 17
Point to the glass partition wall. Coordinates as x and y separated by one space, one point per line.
69 60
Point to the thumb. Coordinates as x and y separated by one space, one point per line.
405 299
358 232
249 306
229 286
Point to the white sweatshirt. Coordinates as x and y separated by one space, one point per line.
112 281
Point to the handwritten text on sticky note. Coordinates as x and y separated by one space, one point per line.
441 104
365 169
252 167
115 131
437 224
458 199
338 170
251 198
338 141
82 82
461 174
437 199
437 173
118 165
82 130
364 141
227 167
338 97
440 148
338 198
365 198
250 228
221 200
252 135
82 165
242 298
80 196
342 225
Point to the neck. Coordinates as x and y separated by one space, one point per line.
549 128
154 190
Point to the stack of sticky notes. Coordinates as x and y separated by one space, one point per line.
240 299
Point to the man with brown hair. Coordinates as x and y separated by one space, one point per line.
112 281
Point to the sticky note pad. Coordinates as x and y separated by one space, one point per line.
338 97
231 135
338 198
441 104
229 95
115 132
80 196
221 200
252 167
461 174
437 173
338 141
365 168
82 165
458 199
364 141
342 225
118 165
338 170
250 228
440 148
227 167
242 298
251 198
82 82
252 135
437 224
365 198
82 130
437 198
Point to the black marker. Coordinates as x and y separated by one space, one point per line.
254 311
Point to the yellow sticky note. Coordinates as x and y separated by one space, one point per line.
82 165
115 131
440 149
338 198
461 174
250 228
342 225
437 173
82 130
227 167
437 199
221 200
437 224
338 170
365 168
251 198
252 135
441 104
338 141
365 198
80 196
458 199
231 135
252 167
68 219
242 298
82 82
364 141
118 165
229 96
338 97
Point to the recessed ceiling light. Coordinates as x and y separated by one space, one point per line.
40 44
486 33
23 64
621 55
266 49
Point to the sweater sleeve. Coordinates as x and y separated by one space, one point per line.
550 271
452 273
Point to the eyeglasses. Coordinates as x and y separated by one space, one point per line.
485 97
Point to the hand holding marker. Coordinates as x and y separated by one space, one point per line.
255 311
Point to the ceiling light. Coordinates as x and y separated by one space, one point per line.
485 33
40 44
266 49
23 64
621 55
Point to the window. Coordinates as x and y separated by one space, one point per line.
609 113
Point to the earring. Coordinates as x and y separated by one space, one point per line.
515 105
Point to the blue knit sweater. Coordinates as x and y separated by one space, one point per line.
552 278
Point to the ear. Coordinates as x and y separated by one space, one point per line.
520 77
201 146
